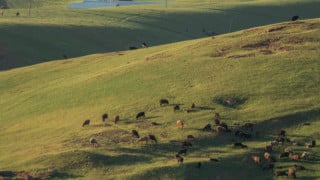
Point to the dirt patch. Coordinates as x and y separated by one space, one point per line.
266 51
261 44
285 48
158 56
275 29
241 55
297 40
115 136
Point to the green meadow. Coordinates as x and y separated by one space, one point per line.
273 71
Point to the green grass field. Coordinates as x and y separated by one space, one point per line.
273 70
52 30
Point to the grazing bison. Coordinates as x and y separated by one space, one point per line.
256 159
214 160
182 151
86 123
163 102
216 116
299 167
116 119
104 117
155 123
144 45
179 159
153 138
292 172
140 115
207 128
190 137
281 173
180 124
193 106
93 142
135 133
295 157
220 129
313 143
294 18
176 108
304 155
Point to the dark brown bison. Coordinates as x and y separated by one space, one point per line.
116 119
135 133
140 115
104 117
153 138
239 144
179 159
281 173
193 106
207 127
86 123
93 142
163 102
176 108
294 18
299 167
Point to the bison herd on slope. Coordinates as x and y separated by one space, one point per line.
266 158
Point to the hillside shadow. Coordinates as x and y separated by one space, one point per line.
75 41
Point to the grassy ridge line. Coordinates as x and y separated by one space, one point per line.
52 106
52 31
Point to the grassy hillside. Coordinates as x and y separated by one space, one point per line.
273 72
52 30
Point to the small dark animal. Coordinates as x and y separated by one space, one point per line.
193 106
132 48
306 124
153 138
140 115
207 128
267 166
17 14
183 151
64 56
294 18
285 154
176 108
163 102
179 159
216 116
144 45
225 127
93 142
86 123
256 159
104 117
198 165
313 143
135 133
190 137
281 173
239 144
186 144
116 119
299 167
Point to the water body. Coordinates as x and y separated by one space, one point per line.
108 3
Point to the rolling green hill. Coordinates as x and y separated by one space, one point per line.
272 72
51 30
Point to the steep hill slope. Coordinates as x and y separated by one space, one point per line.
272 72
50 30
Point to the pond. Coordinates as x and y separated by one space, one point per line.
109 3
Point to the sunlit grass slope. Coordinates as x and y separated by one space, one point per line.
274 70
50 30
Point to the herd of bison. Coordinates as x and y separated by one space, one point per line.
280 146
